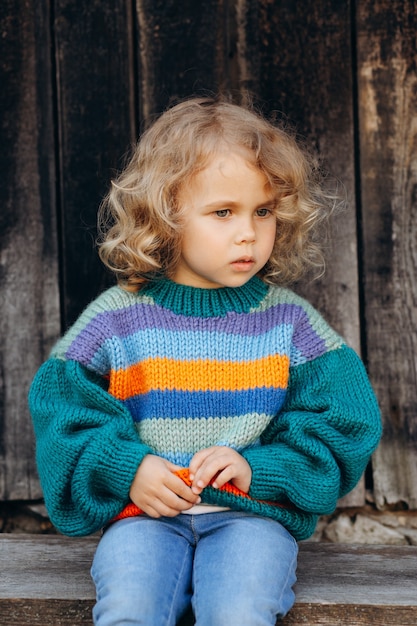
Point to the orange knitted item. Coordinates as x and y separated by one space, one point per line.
131 510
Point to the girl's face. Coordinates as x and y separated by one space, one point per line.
229 224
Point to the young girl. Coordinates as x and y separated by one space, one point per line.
200 412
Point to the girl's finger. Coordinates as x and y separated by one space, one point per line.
198 460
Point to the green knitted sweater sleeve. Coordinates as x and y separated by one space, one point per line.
317 448
87 447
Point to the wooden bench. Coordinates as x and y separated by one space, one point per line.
44 579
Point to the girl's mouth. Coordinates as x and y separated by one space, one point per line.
243 264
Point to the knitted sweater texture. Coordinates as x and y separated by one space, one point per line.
174 369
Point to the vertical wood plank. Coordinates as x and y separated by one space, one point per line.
387 69
297 58
183 51
29 304
96 115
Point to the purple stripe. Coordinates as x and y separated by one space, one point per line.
126 321
307 341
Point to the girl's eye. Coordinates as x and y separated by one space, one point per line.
263 212
222 212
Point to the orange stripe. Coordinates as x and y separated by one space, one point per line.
199 375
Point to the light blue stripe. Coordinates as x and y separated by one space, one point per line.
153 343
178 458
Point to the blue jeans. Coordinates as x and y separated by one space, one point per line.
234 568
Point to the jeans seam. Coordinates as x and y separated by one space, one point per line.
177 586
193 530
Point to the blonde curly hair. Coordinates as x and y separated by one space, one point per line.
140 222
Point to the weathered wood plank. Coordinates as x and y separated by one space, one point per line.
70 612
387 72
29 304
50 566
48 578
183 51
96 116
297 58
348 615
46 612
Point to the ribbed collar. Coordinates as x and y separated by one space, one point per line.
196 302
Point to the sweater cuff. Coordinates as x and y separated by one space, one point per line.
263 484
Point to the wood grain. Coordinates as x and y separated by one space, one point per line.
97 126
29 303
387 73
181 52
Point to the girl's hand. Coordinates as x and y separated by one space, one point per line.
157 491
222 463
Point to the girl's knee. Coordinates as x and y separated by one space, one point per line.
244 609
123 607
251 613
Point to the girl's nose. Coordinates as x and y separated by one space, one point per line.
245 232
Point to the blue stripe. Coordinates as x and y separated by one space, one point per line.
199 404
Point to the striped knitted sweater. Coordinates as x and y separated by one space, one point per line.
171 370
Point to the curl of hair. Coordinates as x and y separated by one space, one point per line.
140 221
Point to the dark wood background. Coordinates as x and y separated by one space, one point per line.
78 83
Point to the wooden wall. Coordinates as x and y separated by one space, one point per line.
78 83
